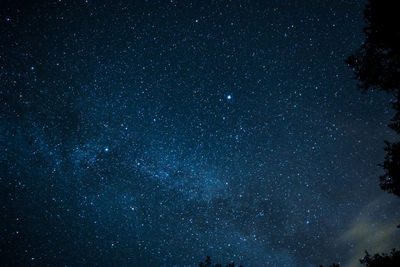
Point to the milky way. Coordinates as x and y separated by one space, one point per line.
157 133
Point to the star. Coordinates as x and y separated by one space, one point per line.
221 135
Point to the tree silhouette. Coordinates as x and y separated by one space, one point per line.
376 65
207 263
379 260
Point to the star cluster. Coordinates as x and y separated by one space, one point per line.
155 133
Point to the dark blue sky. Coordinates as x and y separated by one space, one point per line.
155 133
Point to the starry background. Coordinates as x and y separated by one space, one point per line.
155 133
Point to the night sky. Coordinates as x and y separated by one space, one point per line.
156 133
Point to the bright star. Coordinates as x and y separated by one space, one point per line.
229 97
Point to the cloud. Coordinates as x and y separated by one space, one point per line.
371 230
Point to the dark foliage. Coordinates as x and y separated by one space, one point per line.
390 181
379 260
208 263
376 65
